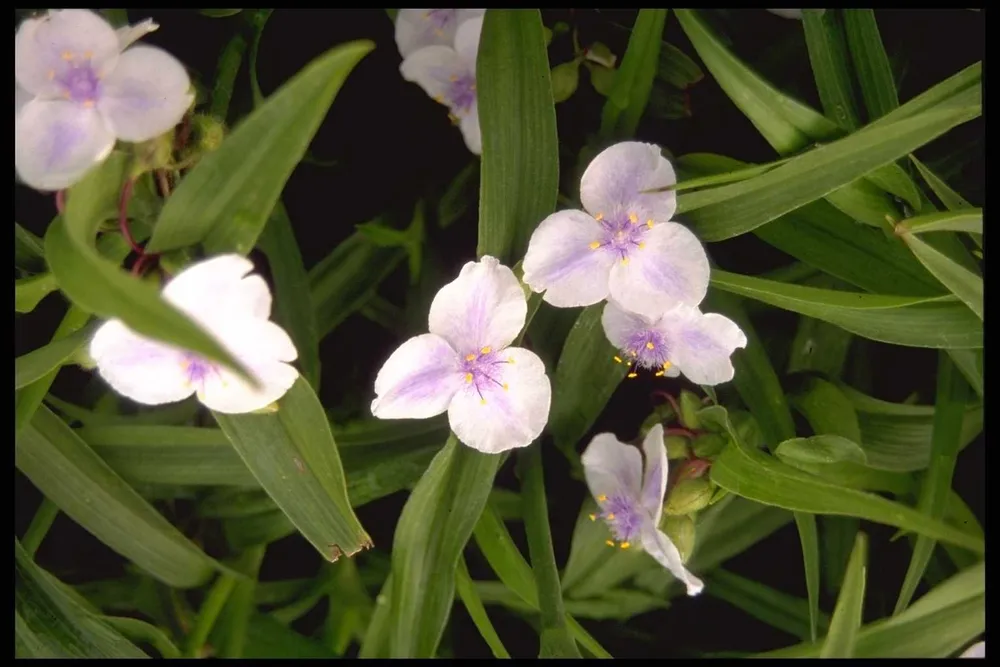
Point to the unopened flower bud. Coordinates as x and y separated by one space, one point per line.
677 447
690 405
208 132
680 530
689 496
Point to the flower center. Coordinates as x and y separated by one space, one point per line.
79 82
439 18
484 370
197 370
461 93
622 515
621 233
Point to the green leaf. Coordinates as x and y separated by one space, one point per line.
963 283
757 476
459 195
827 46
828 410
966 221
820 449
49 623
34 365
677 68
138 631
29 251
99 286
871 64
228 67
952 394
951 199
219 13
268 638
293 303
230 633
936 322
846 620
73 477
293 455
777 609
819 346
432 531
634 79
585 378
474 605
28 292
226 199
970 362
520 164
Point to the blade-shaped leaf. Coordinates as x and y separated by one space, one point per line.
846 619
965 221
871 64
775 608
28 292
474 605
633 81
36 364
827 46
964 284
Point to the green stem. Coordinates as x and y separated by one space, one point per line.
39 527
209 613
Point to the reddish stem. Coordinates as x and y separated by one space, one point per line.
688 433
123 216
184 134
140 263
671 400
61 201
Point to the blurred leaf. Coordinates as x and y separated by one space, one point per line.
827 46
668 104
29 250
230 61
219 13
677 68
967 221
634 78
293 455
226 199
963 283
936 322
28 292
291 290
230 632
459 195
520 164
828 410
952 395
474 606
36 364
73 477
411 239
871 64
820 449
48 623
970 363
819 346
450 495
267 638
777 609
601 78
141 632
847 615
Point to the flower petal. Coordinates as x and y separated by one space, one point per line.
507 414
469 124
131 33
56 142
138 368
622 326
483 307
418 380
419 28
219 289
432 68
561 262
613 180
46 48
659 546
672 268
146 94
21 98
612 468
977 650
654 483
467 40
701 345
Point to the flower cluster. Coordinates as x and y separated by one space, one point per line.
439 48
80 86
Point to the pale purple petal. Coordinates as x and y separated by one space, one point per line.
639 340
659 546
418 380
56 142
138 368
132 33
443 75
561 262
613 180
146 94
50 48
219 289
654 483
612 467
420 28
469 124
21 98
503 403
467 40
483 309
670 268
701 345
977 650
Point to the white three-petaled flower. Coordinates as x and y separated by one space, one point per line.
632 503
682 340
78 90
439 48
497 397
624 245
231 306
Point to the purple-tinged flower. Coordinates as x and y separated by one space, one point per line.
632 503
231 306
87 91
448 75
497 397
977 650
624 245
417 28
682 340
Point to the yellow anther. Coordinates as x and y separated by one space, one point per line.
625 545
632 375
472 86
485 350
624 260
599 217
66 94
618 359
593 517
88 104
609 543
601 498
633 353
649 223
505 387
67 55
649 345
88 54
611 516
470 357
595 245
667 365
659 373
468 378
52 74
439 99
642 245
482 401
510 360
633 218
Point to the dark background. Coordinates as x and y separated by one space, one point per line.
392 145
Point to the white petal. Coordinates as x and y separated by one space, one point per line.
433 68
469 125
131 33
147 94
620 325
483 307
672 268
46 48
419 28
977 650
561 263
612 467
56 142
418 380
506 415
654 482
614 179
467 40
138 368
220 289
701 345
21 98
659 546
